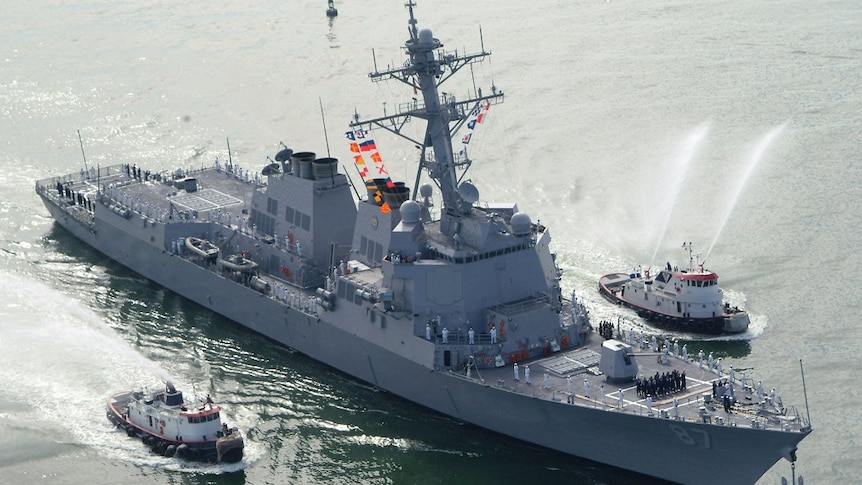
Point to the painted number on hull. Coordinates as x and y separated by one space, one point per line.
687 438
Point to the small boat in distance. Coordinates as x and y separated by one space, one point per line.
171 427
685 300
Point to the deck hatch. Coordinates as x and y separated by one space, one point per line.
573 363
204 200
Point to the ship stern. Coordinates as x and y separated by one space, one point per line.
736 322
230 447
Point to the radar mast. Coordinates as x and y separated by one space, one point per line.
428 67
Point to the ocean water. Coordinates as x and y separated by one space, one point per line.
627 129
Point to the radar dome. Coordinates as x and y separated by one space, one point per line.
426 36
521 224
426 190
410 211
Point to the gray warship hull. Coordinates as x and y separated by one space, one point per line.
452 313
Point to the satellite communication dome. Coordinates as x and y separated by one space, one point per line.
410 211
426 190
521 224
425 36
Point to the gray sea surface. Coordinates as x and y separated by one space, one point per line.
628 128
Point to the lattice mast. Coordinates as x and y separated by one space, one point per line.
428 67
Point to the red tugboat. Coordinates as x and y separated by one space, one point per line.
686 300
171 427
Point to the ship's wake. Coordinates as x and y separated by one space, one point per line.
62 362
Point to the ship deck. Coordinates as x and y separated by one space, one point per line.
147 193
696 400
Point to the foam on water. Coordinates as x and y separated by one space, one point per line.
61 363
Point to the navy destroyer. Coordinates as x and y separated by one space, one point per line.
688 300
456 306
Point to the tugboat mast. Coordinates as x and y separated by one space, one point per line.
429 67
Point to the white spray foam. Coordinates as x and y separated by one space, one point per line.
63 363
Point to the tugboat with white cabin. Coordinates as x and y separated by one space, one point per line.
687 300
172 427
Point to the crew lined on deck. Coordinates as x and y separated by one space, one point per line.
661 384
